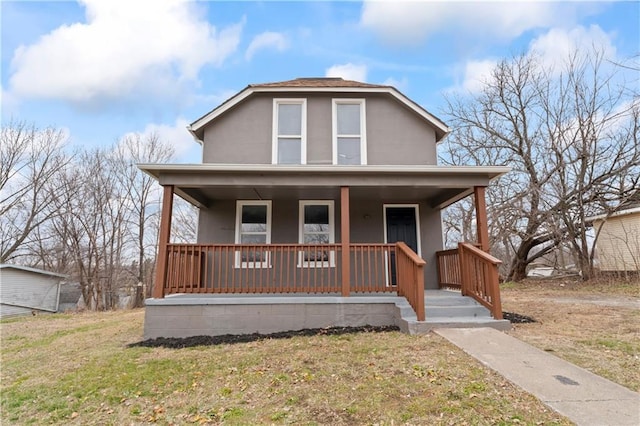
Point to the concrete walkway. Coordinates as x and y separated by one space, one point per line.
583 397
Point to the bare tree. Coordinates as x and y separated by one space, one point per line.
185 220
92 227
31 159
143 194
566 135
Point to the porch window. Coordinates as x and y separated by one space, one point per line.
349 136
253 226
289 131
316 227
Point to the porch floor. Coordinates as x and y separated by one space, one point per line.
185 315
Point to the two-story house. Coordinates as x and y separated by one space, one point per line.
319 204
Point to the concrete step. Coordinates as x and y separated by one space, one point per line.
424 327
470 311
448 309
447 298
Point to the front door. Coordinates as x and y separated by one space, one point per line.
400 224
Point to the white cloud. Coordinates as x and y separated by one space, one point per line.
266 40
121 51
476 73
177 135
348 71
401 84
9 103
411 22
554 49
556 46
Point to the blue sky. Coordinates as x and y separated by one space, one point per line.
103 69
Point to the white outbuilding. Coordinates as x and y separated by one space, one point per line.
26 291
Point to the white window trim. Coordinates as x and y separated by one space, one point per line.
266 263
363 128
332 234
303 128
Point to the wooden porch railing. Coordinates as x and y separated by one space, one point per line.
448 265
294 268
276 268
479 277
256 268
410 278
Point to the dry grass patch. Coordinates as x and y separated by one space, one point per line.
76 369
594 325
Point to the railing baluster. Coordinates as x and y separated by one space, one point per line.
240 268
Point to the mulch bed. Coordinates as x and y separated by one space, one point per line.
517 318
187 342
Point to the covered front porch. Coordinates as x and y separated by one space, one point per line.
363 261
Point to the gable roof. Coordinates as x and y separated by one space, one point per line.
320 85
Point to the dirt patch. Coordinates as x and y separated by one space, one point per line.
187 342
593 325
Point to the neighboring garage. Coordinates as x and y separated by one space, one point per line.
26 291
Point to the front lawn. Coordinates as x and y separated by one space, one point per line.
78 369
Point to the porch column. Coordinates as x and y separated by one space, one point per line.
163 240
345 240
481 217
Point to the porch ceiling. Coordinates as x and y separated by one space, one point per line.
202 184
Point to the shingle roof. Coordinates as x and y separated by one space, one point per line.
319 82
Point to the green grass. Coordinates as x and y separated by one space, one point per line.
82 372
613 343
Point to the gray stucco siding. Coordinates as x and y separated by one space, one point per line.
242 136
217 226
395 135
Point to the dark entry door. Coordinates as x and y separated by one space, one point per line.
401 226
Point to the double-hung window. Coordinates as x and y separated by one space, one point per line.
253 226
289 131
349 135
316 228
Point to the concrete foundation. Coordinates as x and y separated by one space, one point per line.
215 315
185 316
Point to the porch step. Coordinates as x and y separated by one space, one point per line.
450 304
447 298
448 309
468 311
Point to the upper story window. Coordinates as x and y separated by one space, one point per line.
349 136
289 131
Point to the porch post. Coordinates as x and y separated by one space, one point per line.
481 218
345 240
163 240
